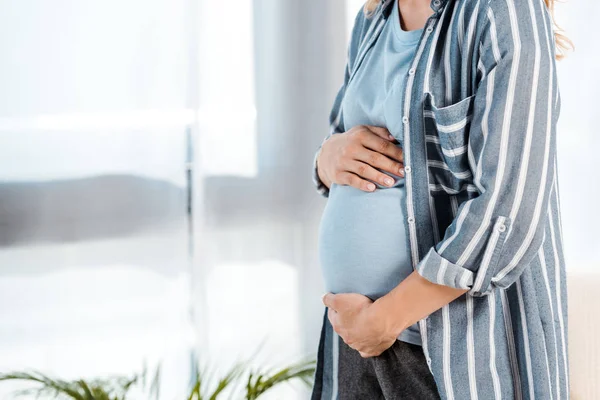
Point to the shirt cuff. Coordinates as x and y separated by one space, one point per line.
440 270
437 269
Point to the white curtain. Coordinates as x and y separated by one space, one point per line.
94 231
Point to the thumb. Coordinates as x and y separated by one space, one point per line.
329 299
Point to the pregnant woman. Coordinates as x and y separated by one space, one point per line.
441 241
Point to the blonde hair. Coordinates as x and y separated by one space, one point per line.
562 42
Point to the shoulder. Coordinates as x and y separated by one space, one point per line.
516 14
362 22
523 25
360 28
507 5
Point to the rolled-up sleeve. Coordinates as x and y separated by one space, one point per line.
512 146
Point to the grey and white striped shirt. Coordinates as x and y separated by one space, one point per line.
480 110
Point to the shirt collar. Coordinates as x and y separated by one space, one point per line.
436 6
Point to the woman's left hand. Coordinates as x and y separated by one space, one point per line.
355 319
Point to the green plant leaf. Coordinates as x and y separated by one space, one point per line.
259 383
230 377
115 388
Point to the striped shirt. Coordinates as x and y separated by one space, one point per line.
480 108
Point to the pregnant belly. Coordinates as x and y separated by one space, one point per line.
362 240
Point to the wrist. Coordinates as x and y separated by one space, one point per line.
391 316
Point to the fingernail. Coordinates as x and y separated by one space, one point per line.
323 297
401 171
391 137
389 181
371 186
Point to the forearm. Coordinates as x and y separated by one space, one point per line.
412 300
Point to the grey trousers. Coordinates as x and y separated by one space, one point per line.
400 372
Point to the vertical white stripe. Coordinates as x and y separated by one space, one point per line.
454 205
526 340
464 279
442 271
494 35
447 360
557 269
433 46
447 68
471 27
423 263
471 349
550 302
481 68
512 350
556 195
471 34
423 331
471 158
547 365
491 298
335 364
489 98
461 26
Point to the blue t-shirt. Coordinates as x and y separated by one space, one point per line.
363 247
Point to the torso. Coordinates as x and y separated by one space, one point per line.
363 245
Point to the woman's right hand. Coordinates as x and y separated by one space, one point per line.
351 158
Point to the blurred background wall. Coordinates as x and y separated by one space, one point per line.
155 196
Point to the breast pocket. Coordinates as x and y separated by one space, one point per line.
447 137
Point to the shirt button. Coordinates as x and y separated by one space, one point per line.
501 227
436 3
429 29
405 119
411 220
407 168
411 71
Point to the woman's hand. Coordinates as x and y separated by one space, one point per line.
351 158
356 321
